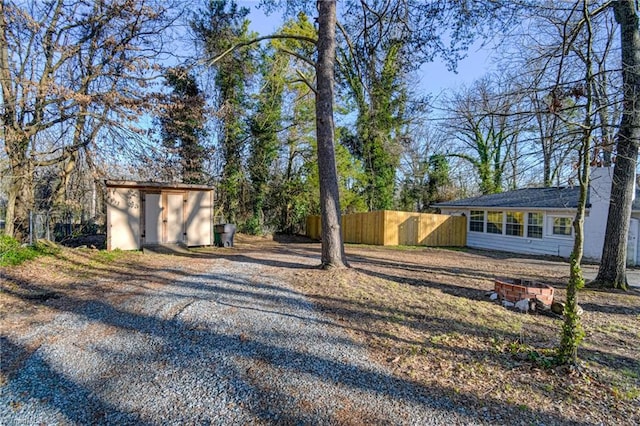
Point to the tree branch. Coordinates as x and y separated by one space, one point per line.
258 40
304 80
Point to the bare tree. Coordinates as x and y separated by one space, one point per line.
68 71
484 120
578 21
551 74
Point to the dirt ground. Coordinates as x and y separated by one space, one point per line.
423 312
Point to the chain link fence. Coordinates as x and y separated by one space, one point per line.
62 227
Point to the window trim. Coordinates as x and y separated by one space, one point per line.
507 224
551 225
541 225
483 222
496 212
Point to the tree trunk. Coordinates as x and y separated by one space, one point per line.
572 331
20 194
612 272
548 181
332 247
60 191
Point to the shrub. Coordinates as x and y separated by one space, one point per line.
252 226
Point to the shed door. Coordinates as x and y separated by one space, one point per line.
174 218
152 222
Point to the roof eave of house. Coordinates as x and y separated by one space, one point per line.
519 208
155 185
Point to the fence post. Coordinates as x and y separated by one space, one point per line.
30 227
47 224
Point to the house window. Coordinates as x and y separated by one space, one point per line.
562 226
494 222
534 225
476 221
515 224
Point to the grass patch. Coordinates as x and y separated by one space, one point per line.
104 256
444 339
626 394
13 253
632 374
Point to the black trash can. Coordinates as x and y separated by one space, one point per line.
223 234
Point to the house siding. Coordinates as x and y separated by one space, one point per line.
547 245
595 223
553 246
633 254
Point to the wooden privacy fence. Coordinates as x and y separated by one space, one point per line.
386 227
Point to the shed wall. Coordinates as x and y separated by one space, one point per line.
166 216
123 218
199 218
632 245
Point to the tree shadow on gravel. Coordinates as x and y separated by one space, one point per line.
188 343
268 262
252 256
30 379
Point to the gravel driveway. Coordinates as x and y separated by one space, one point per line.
228 346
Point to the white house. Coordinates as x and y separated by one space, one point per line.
539 220
149 213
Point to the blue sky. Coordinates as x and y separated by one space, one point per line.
434 77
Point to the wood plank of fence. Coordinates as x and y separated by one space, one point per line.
313 227
387 227
442 230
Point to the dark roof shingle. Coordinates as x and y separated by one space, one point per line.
543 198
534 198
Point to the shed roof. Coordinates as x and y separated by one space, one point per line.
533 198
155 185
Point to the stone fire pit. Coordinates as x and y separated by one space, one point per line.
517 289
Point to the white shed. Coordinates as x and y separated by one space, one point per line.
150 213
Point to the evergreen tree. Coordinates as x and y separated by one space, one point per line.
183 124
263 127
220 26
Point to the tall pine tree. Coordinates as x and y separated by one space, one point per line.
220 26
183 124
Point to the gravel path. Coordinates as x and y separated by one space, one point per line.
230 346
